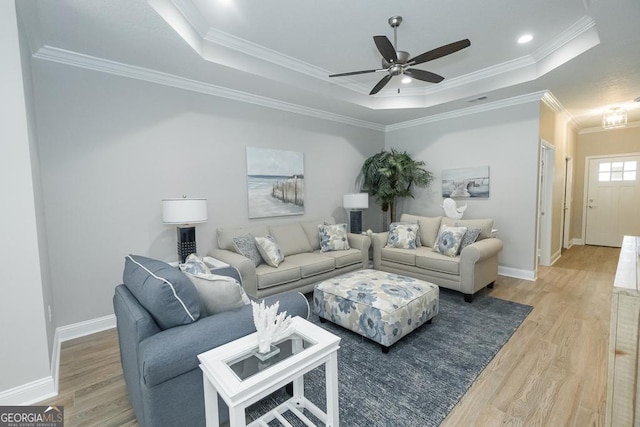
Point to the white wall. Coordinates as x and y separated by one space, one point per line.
23 330
111 148
507 141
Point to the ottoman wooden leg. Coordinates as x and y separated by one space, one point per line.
430 321
322 320
384 348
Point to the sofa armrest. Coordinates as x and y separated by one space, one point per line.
245 267
379 241
361 242
175 351
481 250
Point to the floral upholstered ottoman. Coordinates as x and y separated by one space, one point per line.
378 305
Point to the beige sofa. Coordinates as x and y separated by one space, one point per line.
470 271
304 264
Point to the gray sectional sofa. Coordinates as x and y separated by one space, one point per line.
473 269
304 264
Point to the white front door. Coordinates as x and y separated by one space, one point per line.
613 200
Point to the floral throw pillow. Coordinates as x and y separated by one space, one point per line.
402 235
333 237
449 240
270 251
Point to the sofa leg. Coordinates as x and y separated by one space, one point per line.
490 285
468 297
430 321
322 320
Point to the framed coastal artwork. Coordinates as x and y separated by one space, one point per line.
275 182
466 183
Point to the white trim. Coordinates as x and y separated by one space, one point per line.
88 327
556 256
503 103
74 59
30 393
517 273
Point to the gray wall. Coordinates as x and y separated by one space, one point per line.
111 148
507 141
23 330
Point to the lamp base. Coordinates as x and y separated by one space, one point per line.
355 221
186 242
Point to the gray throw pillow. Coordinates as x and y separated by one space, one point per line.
219 293
165 291
469 237
246 246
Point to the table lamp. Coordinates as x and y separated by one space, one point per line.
354 203
185 212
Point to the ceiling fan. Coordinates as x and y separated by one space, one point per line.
396 62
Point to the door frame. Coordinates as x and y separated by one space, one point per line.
585 190
567 203
546 177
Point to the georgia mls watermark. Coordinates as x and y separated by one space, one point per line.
31 416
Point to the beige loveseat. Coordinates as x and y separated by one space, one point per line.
474 268
304 264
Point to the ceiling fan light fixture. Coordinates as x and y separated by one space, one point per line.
406 79
614 118
525 38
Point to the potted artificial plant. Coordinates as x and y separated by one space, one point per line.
390 175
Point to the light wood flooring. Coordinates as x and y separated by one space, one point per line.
552 372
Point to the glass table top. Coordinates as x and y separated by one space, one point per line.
248 364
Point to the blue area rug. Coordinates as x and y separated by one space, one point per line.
424 374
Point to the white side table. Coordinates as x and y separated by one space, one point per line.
241 379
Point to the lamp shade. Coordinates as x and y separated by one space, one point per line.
355 201
184 211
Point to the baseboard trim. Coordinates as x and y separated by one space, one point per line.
517 273
30 393
46 388
556 256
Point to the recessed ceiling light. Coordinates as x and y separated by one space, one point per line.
526 38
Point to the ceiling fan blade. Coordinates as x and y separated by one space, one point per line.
440 52
382 83
425 76
386 49
352 73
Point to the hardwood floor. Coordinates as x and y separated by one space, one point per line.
552 372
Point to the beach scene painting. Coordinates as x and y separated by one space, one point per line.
466 183
275 182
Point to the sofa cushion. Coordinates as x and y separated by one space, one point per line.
312 263
218 293
269 250
165 291
469 237
225 235
449 240
402 256
311 230
291 238
428 259
402 235
246 246
346 257
429 227
485 224
268 276
333 237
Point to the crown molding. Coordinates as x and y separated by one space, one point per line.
552 102
597 129
504 103
580 27
74 59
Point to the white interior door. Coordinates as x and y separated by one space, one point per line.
613 200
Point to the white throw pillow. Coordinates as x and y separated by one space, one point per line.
219 293
270 251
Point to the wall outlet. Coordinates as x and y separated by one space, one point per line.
50 313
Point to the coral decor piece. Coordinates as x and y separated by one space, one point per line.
270 325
